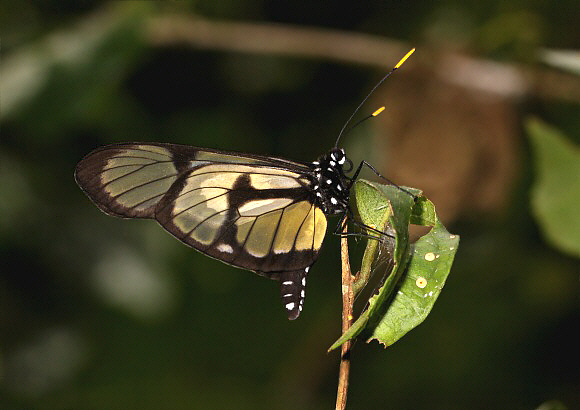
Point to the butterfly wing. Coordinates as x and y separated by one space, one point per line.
252 212
128 180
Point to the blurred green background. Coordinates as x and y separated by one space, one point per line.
98 312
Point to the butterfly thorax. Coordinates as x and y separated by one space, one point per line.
331 186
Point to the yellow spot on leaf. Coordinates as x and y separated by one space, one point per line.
421 282
430 256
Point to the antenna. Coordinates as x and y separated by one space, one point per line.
400 63
374 114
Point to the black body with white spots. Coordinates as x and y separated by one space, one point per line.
332 186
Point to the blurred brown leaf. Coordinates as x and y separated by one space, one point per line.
459 145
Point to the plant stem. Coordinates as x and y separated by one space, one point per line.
347 307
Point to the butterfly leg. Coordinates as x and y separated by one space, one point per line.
377 173
380 235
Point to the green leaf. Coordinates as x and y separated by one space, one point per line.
407 295
374 204
424 279
389 209
423 212
556 190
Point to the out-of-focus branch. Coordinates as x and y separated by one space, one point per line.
508 79
263 38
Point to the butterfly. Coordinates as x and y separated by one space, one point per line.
260 213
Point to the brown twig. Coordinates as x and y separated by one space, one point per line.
347 307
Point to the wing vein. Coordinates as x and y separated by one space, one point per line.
136 171
245 240
142 185
192 206
188 233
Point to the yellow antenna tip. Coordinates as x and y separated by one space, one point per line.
400 63
377 112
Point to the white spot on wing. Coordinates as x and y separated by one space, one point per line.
224 247
279 251
290 305
287 282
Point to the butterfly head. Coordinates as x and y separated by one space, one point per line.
337 156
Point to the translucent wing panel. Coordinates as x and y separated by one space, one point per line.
127 180
268 227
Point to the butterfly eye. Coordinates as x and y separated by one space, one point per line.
337 155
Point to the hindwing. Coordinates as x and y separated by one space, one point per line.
253 212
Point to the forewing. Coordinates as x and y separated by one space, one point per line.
128 180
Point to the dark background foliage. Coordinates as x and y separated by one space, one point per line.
97 312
